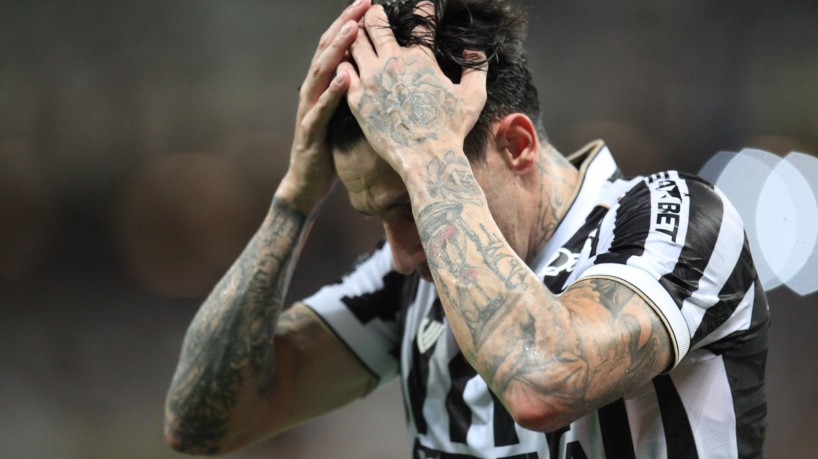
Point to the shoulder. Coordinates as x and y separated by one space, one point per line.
672 187
672 203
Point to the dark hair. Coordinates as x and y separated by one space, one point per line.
496 27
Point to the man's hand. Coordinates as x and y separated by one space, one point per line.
311 174
400 96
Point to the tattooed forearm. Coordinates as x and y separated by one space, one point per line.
464 253
228 347
573 353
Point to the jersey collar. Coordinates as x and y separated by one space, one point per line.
596 166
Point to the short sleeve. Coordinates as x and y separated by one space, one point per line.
680 244
362 309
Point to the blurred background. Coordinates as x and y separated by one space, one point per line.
141 142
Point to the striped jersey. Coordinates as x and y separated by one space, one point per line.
671 237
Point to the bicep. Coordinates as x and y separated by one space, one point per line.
315 373
595 343
621 334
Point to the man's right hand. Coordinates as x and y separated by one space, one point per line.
311 173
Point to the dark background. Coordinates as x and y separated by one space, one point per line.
141 142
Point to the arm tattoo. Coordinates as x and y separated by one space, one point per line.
451 241
538 346
590 371
230 341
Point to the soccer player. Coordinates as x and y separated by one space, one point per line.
531 305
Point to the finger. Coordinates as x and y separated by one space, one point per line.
354 80
425 10
473 80
322 69
316 120
354 12
377 27
362 51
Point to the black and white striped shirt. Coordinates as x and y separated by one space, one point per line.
671 237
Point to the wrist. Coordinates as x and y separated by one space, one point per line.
444 175
299 197
420 161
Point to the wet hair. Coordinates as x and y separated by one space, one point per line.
495 27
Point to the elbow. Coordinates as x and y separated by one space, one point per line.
186 443
175 439
538 420
195 439
539 414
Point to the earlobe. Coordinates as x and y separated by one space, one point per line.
516 138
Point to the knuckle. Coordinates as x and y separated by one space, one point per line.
303 94
306 125
324 41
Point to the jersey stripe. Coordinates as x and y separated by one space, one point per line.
459 412
627 240
731 295
574 450
726 251
749 402
705 219
422 452
553 439
418 378
369 306
522 456
616 431
678 434
745 364
505 432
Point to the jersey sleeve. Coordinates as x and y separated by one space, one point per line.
680 244
362 309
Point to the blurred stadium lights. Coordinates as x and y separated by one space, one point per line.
778 200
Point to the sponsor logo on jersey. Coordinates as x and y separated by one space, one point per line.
563 260
668 207
428 333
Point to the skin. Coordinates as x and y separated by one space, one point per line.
247 369
550 359
250 368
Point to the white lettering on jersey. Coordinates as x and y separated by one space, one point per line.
669 206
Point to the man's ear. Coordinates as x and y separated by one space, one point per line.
516 139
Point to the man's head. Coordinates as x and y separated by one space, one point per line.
502 148
495 27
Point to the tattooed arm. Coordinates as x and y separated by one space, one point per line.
244 373
550 359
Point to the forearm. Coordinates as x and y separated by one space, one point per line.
481 281
549 359
227 355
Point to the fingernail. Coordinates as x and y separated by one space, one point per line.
344 30
339 77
